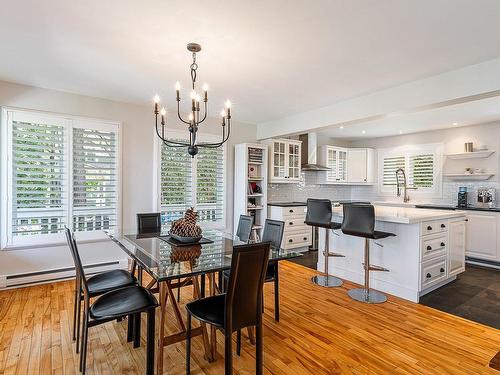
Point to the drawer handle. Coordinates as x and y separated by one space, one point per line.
443 226
428 275
429 227
290 240
429 248
443 244
441 270
291 211
291 223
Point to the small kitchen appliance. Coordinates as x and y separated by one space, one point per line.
462 197
486 197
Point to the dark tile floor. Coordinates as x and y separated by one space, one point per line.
474 295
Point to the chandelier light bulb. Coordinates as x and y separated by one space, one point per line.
193 95
228 104
223 113
190 117
205 87
177 86
157 99
163 111
197 98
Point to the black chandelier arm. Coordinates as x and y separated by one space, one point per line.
224 138
180 144
205 115
179 113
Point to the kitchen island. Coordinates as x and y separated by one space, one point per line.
427 252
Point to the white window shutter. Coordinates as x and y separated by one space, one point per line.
391 165
210 184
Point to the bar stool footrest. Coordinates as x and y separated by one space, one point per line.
376 268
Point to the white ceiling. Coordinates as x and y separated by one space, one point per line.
272 58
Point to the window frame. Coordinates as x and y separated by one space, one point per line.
411 150
7 240
202 137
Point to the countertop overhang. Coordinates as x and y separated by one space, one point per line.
407 215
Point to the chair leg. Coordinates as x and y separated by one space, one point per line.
137 330
220 281
259 360
78 322
150 343
85 336
188 344
276 294
238 342
76 301
228 353
262 302
179 294
130 328
202 286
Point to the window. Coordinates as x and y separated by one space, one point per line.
421 163
192 182
56 171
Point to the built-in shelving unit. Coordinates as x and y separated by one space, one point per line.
471 155
470 176
250 184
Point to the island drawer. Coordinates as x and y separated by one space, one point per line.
292 241
294 213
434 246
433 272
437 226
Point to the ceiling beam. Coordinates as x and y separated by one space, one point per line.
474 82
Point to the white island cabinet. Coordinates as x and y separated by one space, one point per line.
427 252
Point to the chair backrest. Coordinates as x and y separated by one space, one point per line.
244 228
149 222
80 273
273 232
359 220
243 306
319 212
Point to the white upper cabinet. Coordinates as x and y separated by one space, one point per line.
284 160
334 158
354 166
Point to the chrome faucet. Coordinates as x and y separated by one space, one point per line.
406 198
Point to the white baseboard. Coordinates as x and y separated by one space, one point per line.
43 277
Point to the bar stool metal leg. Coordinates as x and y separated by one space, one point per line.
366 294
327 280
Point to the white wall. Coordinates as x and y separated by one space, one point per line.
137 140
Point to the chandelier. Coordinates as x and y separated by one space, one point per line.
194 118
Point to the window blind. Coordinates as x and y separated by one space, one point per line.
391 165
421 170
39 192
192 182
95 193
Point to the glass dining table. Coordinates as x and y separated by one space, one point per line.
172 265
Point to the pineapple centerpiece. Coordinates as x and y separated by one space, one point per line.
186 229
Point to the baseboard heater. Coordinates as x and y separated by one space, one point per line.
482 262
42 277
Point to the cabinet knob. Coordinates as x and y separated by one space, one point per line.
443 226
291 223
291 211
429 247
443 244
305 238
428 275
429 227
290 240
441 270
365 179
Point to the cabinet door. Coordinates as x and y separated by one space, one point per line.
482 235
331 162
356 165
293 162
342 165
456 246
278 161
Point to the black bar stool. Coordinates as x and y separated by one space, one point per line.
359 221
319 214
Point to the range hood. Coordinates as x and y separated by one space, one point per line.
310 153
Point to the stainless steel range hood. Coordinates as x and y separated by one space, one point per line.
310 153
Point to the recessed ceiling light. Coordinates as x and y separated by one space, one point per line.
455 123
400 132
341 127
363 132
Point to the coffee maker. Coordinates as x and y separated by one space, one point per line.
462 197
486 197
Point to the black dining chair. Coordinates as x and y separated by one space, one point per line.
97 285
244 230
273 233
239 308
149 223
126 302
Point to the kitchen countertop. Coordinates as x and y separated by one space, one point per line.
450 207
407 215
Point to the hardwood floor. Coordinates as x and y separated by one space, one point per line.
321 331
